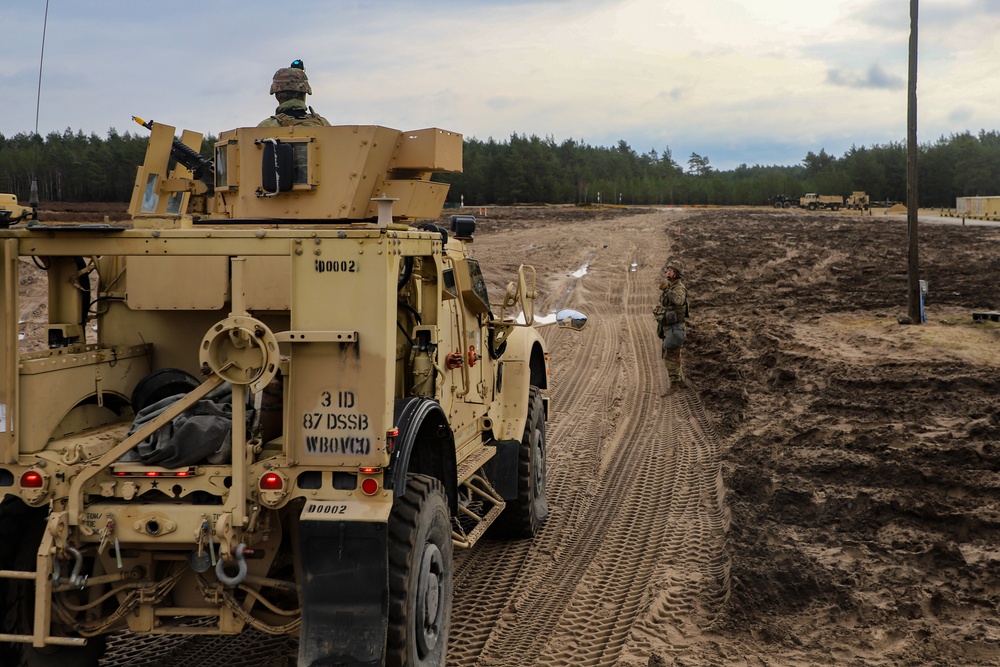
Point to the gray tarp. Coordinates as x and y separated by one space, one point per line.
200 434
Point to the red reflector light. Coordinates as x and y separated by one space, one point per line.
152 473
370 471
271 482
183 473
32 480
369 486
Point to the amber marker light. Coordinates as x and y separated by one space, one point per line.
369 486
271 482
32 480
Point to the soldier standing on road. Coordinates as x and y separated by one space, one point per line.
670 316
290 86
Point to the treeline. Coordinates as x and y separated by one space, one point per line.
523 169
531 169
72 167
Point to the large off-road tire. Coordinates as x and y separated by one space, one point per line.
523 517
17 597
420 575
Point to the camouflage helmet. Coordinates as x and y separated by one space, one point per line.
676 265
290 79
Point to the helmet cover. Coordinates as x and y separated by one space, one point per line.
290 79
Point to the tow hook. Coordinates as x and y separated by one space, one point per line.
220 569
75 579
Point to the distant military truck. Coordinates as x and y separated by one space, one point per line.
277 401
11 212
813 201
782 201
858 201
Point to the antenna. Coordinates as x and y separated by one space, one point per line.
33 197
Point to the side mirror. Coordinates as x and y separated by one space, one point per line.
571 319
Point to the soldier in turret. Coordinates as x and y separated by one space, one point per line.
671 314
290 87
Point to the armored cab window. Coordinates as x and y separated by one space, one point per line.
174 203
151 195
284 165
300 163
221 166
227 160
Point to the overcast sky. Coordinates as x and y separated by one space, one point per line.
738 81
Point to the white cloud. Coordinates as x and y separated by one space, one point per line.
733 76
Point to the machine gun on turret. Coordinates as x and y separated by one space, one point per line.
201 168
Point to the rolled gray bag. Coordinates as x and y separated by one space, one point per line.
674 337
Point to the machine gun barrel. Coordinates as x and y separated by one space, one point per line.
200 167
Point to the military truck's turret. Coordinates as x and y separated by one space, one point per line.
294 175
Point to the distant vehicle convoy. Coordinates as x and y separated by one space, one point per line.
859 200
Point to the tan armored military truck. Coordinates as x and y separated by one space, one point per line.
271 402
813 201
858 201
11 212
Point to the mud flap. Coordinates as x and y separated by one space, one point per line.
502 468
345 593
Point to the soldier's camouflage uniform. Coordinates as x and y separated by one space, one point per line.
293 112
670 317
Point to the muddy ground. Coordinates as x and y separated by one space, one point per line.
859 455
826 491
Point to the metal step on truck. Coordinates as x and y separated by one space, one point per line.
272 401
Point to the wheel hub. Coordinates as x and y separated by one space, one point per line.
429 611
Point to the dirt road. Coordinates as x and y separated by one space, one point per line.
635 541
827 493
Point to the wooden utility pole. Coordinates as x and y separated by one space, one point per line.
913 266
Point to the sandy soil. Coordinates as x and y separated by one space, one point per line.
859 456
825 493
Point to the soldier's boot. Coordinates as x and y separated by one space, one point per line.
677 382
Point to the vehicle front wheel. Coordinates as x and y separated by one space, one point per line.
18 596
420 575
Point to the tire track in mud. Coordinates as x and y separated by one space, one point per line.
576 537
632 557
483 600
